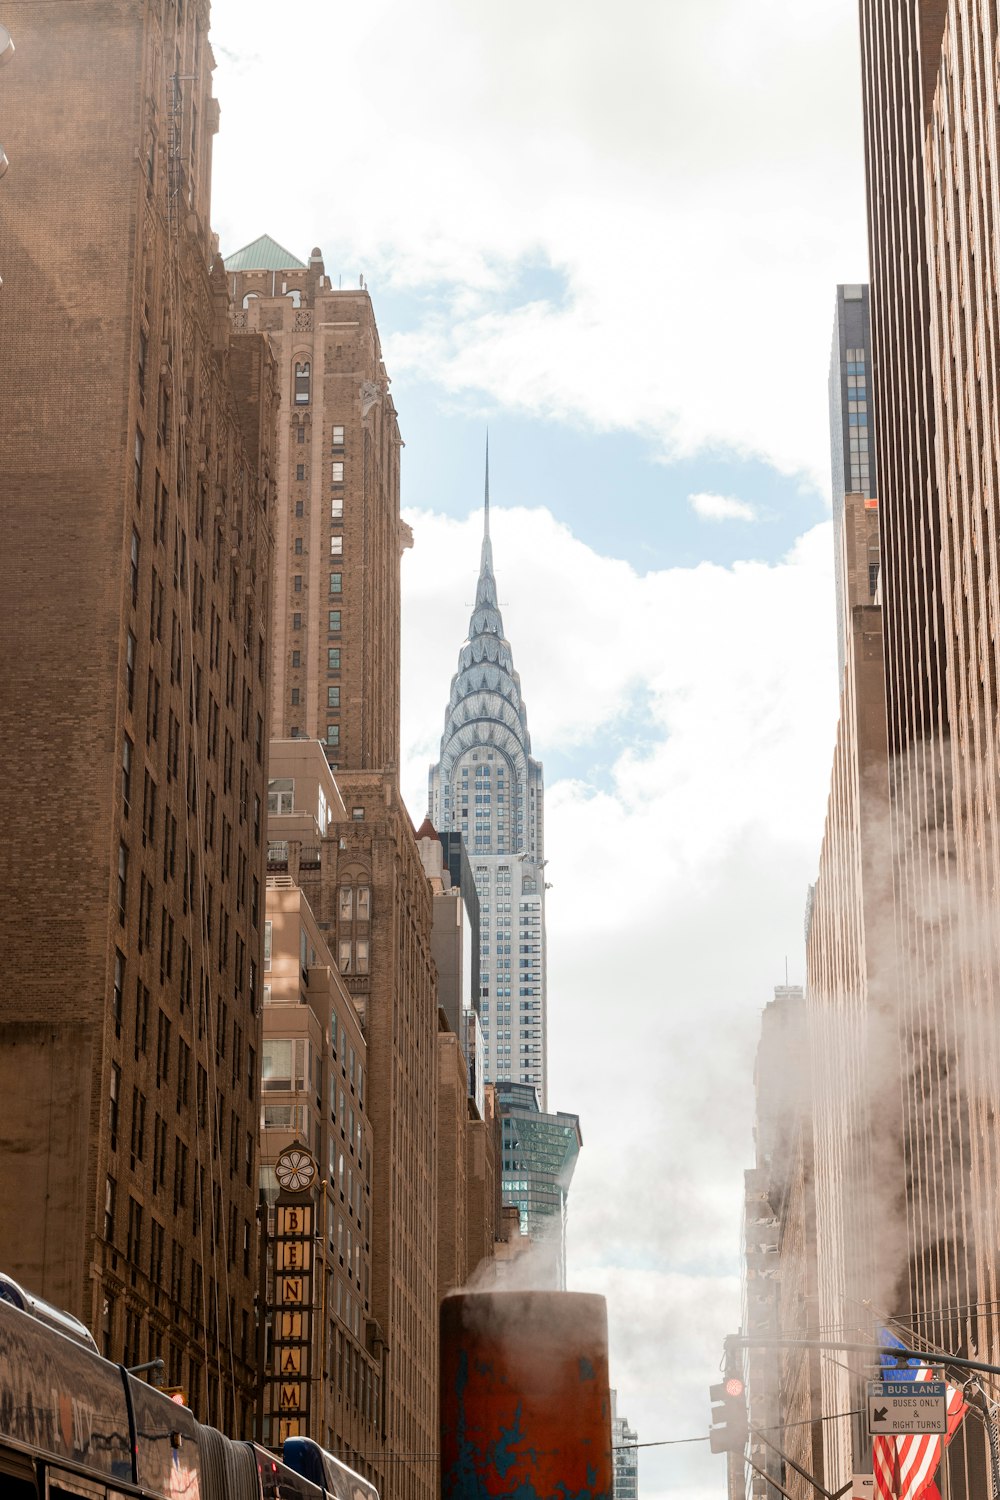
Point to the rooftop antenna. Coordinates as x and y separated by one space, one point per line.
786 971
486 507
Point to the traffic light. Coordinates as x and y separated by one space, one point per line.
728 1433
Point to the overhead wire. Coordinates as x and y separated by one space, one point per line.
435 1457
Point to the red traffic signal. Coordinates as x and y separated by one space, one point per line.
729 1432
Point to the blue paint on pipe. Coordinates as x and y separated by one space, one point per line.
501 1454
466 1479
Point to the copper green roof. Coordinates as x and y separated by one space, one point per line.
264 254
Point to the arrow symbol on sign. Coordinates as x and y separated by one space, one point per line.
880 1413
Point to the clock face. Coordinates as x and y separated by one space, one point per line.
295 1170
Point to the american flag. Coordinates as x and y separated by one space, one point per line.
905 1466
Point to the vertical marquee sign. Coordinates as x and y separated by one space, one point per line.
291 1308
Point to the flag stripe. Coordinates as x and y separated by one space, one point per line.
904 1467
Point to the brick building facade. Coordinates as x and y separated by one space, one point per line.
315 1089
135 446
383 952
451 1187
783 1385
931 156
849 968
338 532
483 1185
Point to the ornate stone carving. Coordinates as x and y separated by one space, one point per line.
370 396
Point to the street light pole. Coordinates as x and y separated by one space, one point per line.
6 53
899 1354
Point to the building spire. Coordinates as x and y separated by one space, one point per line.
486 556
486 504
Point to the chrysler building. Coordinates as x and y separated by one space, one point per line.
487 787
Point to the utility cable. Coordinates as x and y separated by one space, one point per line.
663 1443
617 1447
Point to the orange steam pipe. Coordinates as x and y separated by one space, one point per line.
525 1399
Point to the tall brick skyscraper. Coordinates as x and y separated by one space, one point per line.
338 532
134 447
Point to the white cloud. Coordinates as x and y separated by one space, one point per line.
691 174
722 508
696 707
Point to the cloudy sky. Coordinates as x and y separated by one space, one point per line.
612 234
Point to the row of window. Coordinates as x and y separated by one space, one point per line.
332 659
336 514
336 546
332 736
336 432
527 1052
336 587
332 701
354 902
353 957
336 474
333 623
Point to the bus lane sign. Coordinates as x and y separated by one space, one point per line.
901 1408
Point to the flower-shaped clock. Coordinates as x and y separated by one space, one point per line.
295 1169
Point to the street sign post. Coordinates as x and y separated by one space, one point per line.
899 1408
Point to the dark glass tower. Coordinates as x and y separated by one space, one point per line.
852 432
